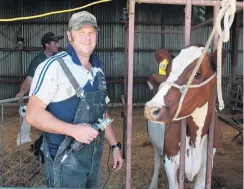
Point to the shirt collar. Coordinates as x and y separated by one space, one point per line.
95 61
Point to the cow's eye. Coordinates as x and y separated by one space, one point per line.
197 75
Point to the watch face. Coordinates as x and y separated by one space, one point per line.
116 145
119 145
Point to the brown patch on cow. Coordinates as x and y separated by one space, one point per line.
191 131
155 81
212 112
217 129
172 139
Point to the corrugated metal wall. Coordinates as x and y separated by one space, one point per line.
110 46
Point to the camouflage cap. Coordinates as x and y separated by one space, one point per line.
80 19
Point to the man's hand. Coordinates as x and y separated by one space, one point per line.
25 87
117 159
84 133
19 95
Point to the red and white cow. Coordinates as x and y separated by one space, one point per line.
197 107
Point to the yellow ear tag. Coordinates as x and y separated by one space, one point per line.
163 66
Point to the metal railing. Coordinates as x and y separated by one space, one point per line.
18 163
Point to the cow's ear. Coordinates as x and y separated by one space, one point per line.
214 59
162 54
154 81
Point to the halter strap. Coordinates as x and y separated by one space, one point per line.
183 91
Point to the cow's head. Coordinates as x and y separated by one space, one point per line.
164 105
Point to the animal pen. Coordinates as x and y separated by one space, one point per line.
28 166
188 10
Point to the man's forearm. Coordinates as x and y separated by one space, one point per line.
110 136
25 86
109 133
43 120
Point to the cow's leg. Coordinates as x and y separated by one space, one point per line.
201 176
157 166
171 167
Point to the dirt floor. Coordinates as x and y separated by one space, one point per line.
228 161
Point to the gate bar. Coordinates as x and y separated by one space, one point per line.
209 160
188 10
13 100
216 35
182 153
188 23
130 89
184 2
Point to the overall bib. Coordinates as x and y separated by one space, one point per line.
81 168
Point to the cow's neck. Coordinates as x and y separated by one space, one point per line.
196 122
199 122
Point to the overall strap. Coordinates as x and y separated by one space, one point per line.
78 90
101 85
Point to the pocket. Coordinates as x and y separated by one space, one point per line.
72 174
70 161
81 115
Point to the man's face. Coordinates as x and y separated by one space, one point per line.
83 40
53 46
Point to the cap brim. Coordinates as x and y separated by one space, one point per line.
58 37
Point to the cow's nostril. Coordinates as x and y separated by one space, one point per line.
156 112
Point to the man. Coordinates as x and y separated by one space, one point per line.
68 95
50 46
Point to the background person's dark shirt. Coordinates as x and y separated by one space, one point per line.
41 57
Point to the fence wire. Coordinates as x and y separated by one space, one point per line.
19 166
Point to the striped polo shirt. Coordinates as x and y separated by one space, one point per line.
51 85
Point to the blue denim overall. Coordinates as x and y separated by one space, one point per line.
81 168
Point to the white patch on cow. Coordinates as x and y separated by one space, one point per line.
158 99
179 64
199 116
196 155
200 180
184 59
171 166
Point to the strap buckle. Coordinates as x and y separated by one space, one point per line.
80 92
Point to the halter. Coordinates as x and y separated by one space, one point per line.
183 89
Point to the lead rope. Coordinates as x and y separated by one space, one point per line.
228 12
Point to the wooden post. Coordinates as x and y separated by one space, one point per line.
234 45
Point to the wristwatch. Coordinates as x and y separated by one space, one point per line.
118 145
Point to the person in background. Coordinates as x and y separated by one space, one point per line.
50 44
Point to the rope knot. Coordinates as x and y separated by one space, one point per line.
228 9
